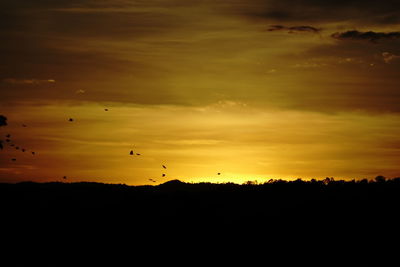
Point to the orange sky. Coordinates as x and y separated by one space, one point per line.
251 89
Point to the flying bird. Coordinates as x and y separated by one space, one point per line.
163 175
164 166
14 159
219 173
23 150
17 147
33 153
71 119
106 109
64 177
131 153
1 145
137 154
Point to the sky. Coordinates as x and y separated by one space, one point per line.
250 89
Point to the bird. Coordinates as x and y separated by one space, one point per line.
23 150
106 109
131 153
33 153
219 173
1 145
137 154
71 119
163 175
164 166
64 177
14 159
17 147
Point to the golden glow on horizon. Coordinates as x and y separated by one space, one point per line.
240 142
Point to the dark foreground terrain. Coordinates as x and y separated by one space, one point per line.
277 213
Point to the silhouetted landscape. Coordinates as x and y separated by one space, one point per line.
201 203
321 214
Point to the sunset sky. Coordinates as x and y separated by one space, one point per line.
251 89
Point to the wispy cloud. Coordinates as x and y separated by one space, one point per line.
388 57
27 81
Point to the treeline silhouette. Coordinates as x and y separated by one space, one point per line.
175 216
201 203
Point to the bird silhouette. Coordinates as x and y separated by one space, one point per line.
163 175
17 147
64 177
33 153
14 159
131 153
219 173
1 145
106 109
137 154
23 150
71 119
164 166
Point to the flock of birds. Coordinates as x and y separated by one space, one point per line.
9 141
12 144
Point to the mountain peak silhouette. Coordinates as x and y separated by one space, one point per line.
173 184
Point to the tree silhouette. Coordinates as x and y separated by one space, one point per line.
3 120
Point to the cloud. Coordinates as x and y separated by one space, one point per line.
388 57
3 120
366 36
367 12
27 81
294 29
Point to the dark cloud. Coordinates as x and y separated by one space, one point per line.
366 36
3 120
365 12
294 29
